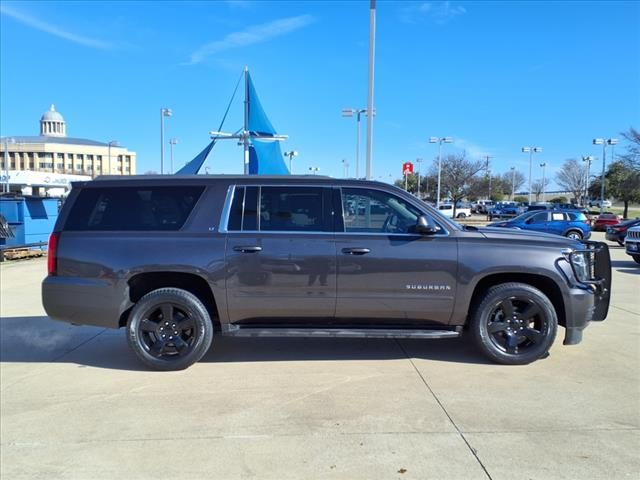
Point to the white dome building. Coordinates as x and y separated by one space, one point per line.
54 154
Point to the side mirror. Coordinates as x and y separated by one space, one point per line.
425 225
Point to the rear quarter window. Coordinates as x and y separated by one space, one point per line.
132 208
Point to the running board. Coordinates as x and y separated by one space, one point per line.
338 332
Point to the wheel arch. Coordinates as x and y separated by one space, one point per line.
545 284
143 283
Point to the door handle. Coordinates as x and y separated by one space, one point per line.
247 248
356 251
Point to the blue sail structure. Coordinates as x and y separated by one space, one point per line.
194 166
265 156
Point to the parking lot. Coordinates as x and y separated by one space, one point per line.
76 403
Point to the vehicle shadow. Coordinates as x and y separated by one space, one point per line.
626 266
41 340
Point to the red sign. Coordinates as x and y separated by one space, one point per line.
407 168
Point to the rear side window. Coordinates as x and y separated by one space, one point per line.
280 209
133 208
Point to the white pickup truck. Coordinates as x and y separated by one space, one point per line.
461 212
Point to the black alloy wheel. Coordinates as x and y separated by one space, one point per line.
169 329
515 324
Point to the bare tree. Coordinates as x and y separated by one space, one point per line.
537 187
632 156
513 180
572 177
457 176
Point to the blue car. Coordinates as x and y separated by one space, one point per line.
568 223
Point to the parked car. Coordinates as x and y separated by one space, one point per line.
617 233
600 203
481 206
568 223
539 206
605 220
632 243
178 259
461 211
506 210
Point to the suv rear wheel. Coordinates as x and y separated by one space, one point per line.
515 324
574 234
169 329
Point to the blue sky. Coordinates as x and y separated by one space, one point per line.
493 75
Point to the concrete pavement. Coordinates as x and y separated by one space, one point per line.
76 404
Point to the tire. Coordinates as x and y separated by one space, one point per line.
462 215
574 234
169 344
636 258
523 339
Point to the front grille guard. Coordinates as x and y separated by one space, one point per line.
600 275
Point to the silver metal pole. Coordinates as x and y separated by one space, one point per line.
439 170
358 144
171 147
161 143
530 154
372 46
109 172
513 183
246 121
544 166
586 187
604 150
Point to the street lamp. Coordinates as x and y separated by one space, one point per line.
350 112
291 154
588 159
513 182
418 161
439 141
604 143
487 158
164 112
314 170
543 165
172 142
7 141
345 166
531 151
112 143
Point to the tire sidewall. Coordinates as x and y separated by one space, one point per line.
485 308
186 301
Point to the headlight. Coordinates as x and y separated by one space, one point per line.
580 263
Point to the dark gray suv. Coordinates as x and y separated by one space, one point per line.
177 260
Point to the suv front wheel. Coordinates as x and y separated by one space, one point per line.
515 324
169 329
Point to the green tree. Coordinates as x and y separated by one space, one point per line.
623 183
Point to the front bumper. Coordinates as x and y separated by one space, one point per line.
632 248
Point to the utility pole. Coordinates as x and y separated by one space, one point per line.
372 47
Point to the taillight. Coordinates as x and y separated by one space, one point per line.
52 254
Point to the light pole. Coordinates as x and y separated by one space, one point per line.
588 159
314 170
418 161
345 166
531 151
7 141
543 165
112 143
172 142
350 112
439 141
291 154
487 158
164 112
513 182
604 143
